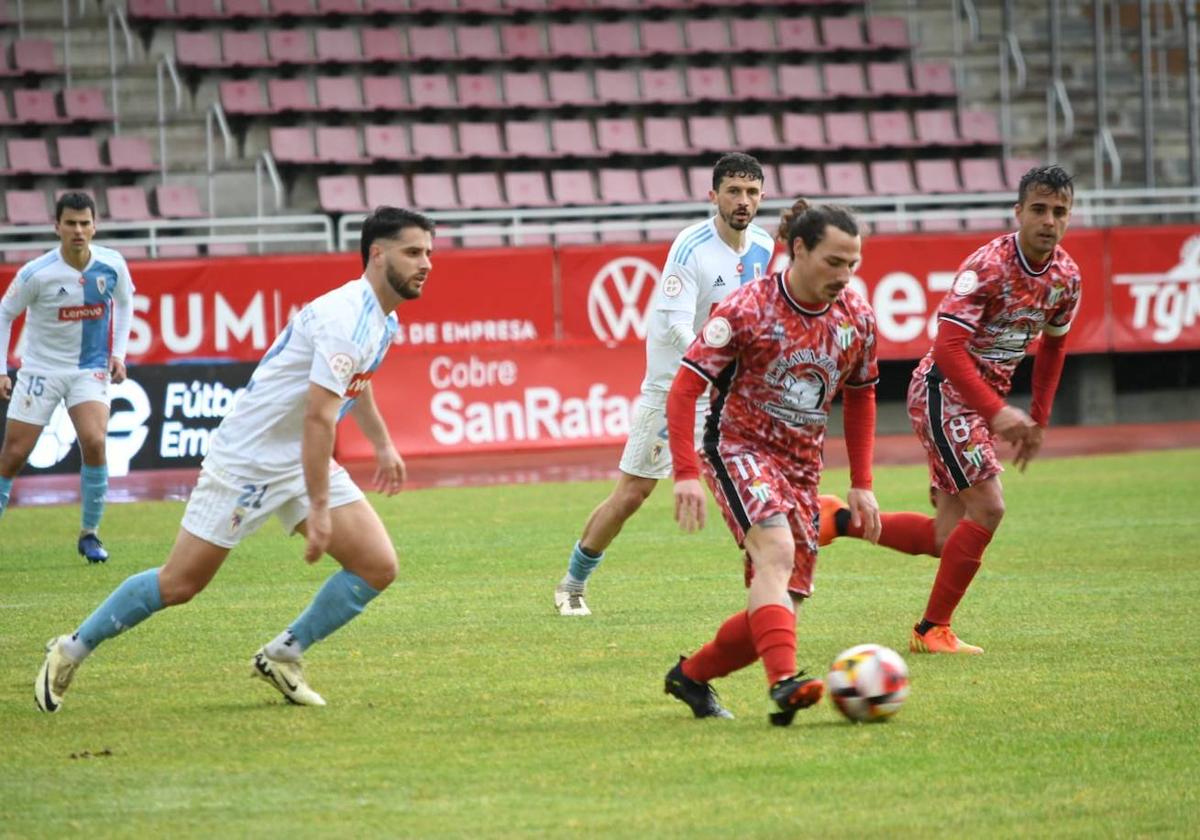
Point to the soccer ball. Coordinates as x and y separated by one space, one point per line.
868 683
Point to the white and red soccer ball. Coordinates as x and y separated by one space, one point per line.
868 683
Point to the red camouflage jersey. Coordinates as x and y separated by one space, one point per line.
776 366
1005 303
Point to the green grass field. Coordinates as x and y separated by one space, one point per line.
461 705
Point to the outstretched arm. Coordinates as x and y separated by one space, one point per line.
390 471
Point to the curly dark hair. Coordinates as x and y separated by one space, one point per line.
808 222
1053 178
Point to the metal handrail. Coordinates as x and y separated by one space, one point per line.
265 161
115 14
165 61
212 114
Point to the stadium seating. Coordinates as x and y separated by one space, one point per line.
178 201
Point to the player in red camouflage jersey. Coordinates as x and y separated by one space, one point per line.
776 353
1010 291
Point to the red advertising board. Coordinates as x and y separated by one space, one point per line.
1155 288
486 398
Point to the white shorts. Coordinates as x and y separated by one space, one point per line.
647 453
225 509
36 395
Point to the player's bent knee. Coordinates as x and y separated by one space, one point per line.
175 591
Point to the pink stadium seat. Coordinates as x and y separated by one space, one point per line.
936 128
982 175
339 93
244 8
434 191
617 136
846 179
526 189
754 83
804 131
127 204
891 128
570 87
290 46
572 137
386 142
481 42
755 131
340 194
665 135
934 78
517 5
937 176
708 84
384 93
433 140
663 184
524 89
128 153
339 7
478 90
30 157
197 49
299 8
386 190
616 39
707 35
290 95
338 46
619 86
522 41
661 36
800 81
892 177
386 45
753 35
431 90
480 139
1015 169
384 6
178 201
35 56
432 42
39 107
979 126
527 138
570 40
700 181
620 186
797 34
798 180
662 85
710 133
434 5
842 33
27 207
888 78
244 49
153 10
888 32
847 130
243 97
5 117
573 187
338 144
844 80
479 190
292 144
197 10
80 154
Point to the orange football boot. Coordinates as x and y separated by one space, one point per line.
830 505
939 639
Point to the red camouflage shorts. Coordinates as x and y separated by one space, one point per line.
958 443
750 487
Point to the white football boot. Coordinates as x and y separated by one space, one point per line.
286 677
570 603
54 678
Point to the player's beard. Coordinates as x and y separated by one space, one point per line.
404 286
735 222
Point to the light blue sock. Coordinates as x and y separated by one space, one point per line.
131 603
93 487
582 565
5 492
343 597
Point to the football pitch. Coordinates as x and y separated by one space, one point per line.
462 705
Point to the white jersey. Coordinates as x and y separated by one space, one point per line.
69 313
336 341
701 270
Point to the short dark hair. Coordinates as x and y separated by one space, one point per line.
385 223
74 201
735 164
808 222
1053 178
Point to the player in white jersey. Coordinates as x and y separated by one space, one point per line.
707 261
273 454
73 298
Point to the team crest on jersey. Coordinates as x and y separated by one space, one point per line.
778 333
717 332
672 286
965 283
761 491
846 335
101 285
974 455
235 521
1055 295
758 271
341 366
656 452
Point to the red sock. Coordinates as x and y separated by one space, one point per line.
961 558
730 650
911 533
774 631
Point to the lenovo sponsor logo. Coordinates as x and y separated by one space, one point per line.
89 312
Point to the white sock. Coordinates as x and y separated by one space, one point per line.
284 647
74 647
